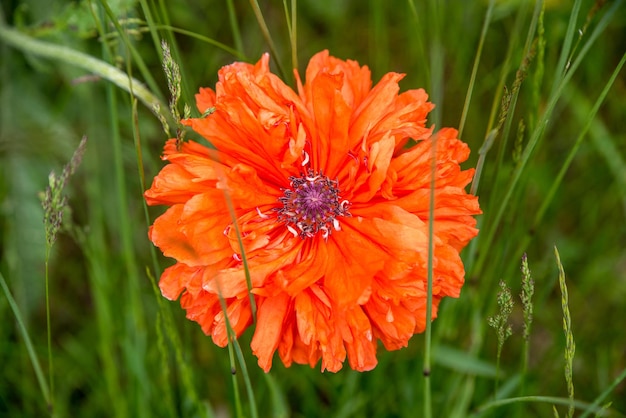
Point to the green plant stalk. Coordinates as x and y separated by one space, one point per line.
234 27
561 67
78 59
429 293
482 156
593 407
292 29
506 65
470 88
188 96
142 179
237 54
246 379
436 59
141 65
244 258
135 322
570 346
96 255
539 72
527 292
49 329
232 339
164 367
294 34
231 358
151 24
268 37
29 345
172 333
419 39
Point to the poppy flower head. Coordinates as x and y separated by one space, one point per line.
317 190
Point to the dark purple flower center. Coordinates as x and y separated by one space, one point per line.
312 205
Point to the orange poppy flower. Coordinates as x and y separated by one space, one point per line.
329 204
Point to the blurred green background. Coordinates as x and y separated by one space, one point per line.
119 349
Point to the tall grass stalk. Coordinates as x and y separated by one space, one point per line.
234 27
268 37
526 296
593 407
472 80
49 331
427 367
500 322
32 355
235 349
87 62
292 28
570 346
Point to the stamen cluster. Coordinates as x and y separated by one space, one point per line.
312 205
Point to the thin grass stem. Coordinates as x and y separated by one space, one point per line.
570 345
292 20
595 405
429 293
234 28
268 37
139 62
567 46
49 330
470 87
232 339
86 62
43 386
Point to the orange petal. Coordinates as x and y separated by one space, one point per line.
269 327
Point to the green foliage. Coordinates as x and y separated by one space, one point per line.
537 91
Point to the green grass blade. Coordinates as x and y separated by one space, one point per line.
138 59
470 87
561 67
45 390
480 411
234 27
268 38
292 27
593 408
93 65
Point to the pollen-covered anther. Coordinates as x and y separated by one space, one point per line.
312 204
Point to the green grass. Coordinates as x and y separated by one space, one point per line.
117 348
